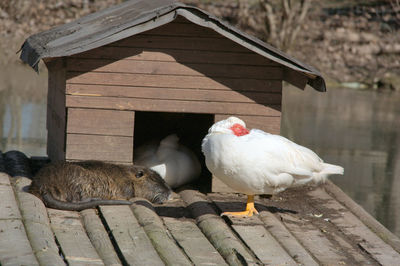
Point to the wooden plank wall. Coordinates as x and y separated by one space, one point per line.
178 67
97 134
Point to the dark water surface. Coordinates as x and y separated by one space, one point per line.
359 130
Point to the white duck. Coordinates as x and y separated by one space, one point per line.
255 162
175 163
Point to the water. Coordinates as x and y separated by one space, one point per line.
359 130
23 109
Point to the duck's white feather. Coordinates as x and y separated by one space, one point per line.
261 163
175 163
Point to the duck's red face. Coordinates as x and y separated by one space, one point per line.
239 130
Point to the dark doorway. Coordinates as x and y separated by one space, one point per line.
190 128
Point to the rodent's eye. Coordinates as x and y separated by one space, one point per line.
139 174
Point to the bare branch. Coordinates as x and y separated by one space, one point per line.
304 9
270 16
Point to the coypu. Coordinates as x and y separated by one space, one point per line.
87 184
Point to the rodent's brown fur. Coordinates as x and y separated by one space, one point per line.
86 184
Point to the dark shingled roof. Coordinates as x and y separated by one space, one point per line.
132 17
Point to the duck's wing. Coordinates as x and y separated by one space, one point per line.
283 155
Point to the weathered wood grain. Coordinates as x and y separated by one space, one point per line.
176 55
174 81
37 225
286 239
73 240
98 147
56 111
193 242
314 240
157 105
100 122
351 225
132 241
8 207
14 244
56 131
263 244
183 28
56 90
99 237
174 68
363 215
15 248
216 230
183 42
166 247
175 94
252 231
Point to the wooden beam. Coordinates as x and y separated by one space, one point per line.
99 237
100 122
193 242
184 43
37 225
166 247
99 147
176 55
131 239
266 97
174 68
216 230
156 105
73 240
287 240
15 248
174 81
351 225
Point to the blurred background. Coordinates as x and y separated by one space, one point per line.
355 44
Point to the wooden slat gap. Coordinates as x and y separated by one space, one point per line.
118 251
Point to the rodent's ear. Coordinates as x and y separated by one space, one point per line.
139 174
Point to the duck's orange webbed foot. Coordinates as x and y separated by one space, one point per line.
250 209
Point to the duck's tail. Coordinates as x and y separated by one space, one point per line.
331 169
327 170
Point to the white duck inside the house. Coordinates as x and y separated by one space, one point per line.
174 162
255 162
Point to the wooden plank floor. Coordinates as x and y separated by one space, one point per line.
308 226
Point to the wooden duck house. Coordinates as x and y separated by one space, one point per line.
148 68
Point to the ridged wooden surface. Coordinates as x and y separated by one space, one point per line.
309 226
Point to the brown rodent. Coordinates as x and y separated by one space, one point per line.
87 184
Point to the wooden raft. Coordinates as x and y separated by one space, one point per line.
308 226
